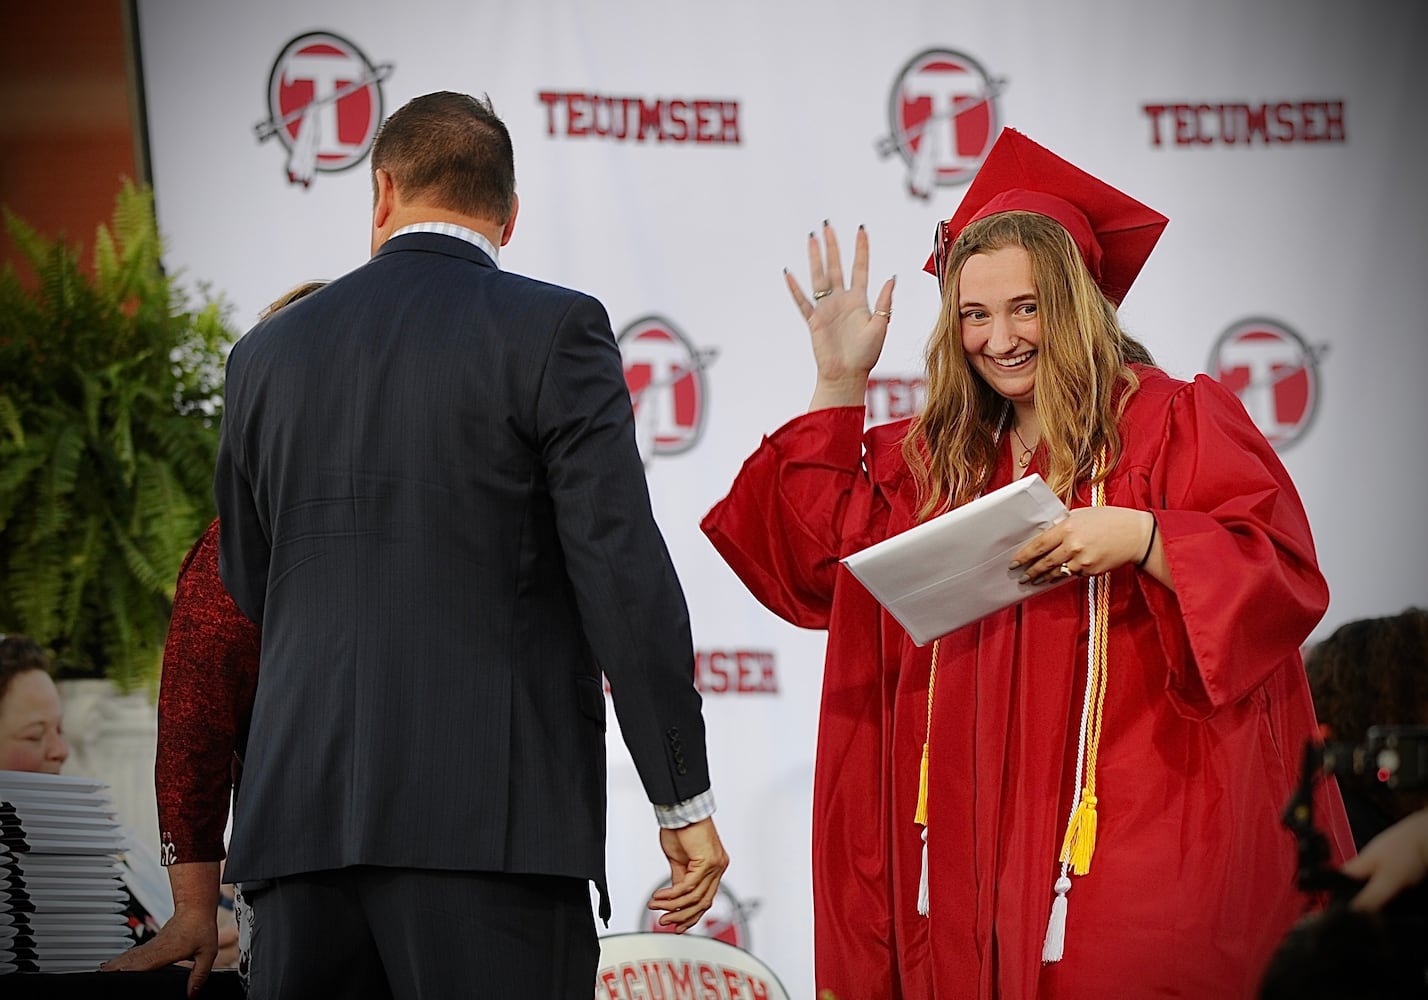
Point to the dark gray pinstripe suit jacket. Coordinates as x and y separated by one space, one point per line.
432 501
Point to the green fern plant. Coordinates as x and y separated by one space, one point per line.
110 397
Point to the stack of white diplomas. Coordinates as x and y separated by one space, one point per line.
62 898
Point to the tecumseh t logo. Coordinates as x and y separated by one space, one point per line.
324 104
665 373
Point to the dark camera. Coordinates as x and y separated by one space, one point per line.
1395 756
1338 953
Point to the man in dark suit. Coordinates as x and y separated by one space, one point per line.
432 502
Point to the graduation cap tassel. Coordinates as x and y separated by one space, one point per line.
920 818
922 900
1055 944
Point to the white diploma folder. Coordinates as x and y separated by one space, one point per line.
952 570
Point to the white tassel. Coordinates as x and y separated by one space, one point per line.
922 882
1055 944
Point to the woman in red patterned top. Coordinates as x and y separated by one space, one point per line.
210 676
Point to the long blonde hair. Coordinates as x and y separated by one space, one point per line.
290 296
1083 378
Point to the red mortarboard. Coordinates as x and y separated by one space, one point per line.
1114 231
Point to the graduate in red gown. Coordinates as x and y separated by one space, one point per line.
1099 771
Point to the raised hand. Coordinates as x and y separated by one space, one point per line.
847 336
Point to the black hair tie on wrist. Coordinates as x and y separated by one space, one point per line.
1154 527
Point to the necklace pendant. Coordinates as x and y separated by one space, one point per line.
1024 460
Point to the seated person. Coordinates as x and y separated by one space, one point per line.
31 720
32 739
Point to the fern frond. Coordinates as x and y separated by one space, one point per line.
19 476
32 246
35 595
108 434
163 516
10 422
141 568
106 259
84 573
56 488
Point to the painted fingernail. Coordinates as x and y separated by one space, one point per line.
1014 565
825 223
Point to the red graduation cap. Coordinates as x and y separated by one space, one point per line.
1114 231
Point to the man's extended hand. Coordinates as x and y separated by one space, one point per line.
697 861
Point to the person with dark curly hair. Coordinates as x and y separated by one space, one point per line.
1372 672
32 739
1369 943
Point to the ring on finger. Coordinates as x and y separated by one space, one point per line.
884 313
822 293
1066 570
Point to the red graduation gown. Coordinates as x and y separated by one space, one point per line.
1206 716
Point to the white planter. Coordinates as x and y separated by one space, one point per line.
112 737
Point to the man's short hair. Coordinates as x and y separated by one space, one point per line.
452 151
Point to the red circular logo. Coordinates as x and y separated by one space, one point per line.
1274 373
665 373
726 920
324 104
943 116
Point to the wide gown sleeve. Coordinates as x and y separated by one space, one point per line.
813 492
1248 590
781 527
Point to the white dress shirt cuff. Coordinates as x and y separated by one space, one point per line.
686 812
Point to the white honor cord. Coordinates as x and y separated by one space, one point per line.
1054 945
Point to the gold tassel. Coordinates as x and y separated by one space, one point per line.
1080 842
921 817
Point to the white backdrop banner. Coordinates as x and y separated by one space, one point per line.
671 159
